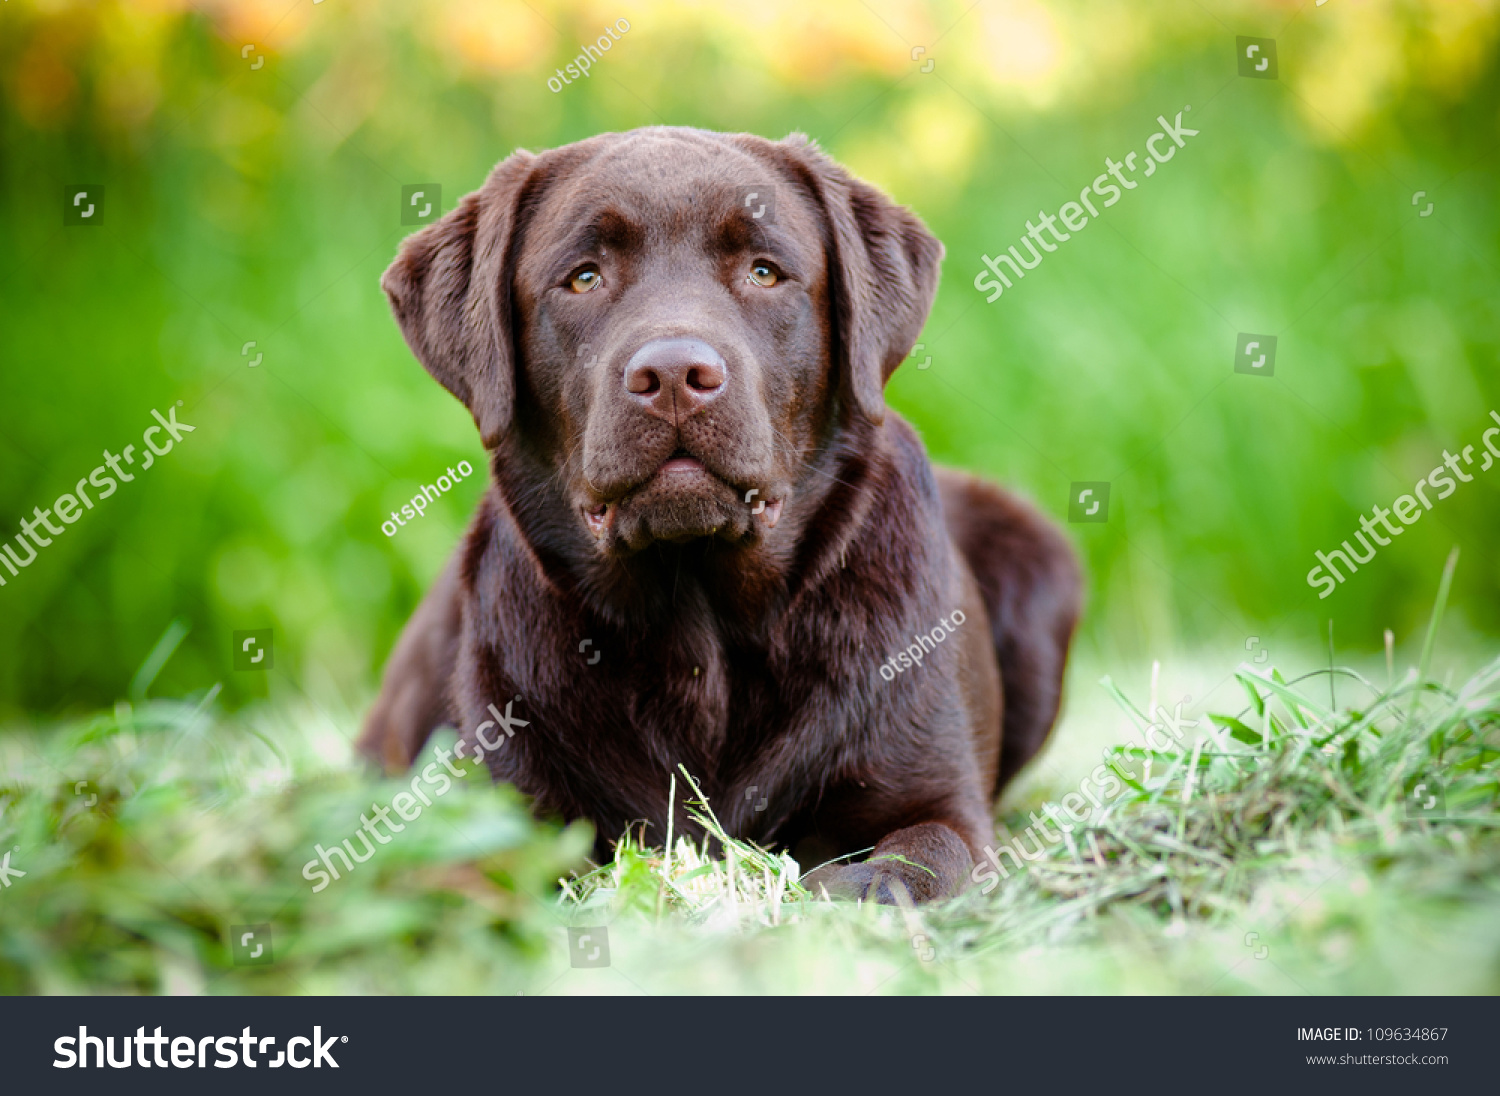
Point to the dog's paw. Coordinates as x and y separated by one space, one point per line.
866 881
922 863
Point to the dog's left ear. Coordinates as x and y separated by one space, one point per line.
883 275
450 290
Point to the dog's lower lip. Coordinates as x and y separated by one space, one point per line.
682 464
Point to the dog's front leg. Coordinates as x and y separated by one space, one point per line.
927 862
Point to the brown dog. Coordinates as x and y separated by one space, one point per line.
707 541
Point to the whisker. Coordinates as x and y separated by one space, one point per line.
792 450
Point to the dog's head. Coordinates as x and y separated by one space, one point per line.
668 323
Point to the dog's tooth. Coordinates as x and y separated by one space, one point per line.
598 520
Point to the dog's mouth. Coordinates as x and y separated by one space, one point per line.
681 461
682 500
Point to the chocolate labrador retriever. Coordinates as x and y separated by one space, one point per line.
707 542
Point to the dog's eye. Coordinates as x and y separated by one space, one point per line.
763 275
586 278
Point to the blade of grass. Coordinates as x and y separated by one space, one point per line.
1425 662
164 649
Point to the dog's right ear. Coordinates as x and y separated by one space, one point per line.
450 290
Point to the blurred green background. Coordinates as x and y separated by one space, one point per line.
253 154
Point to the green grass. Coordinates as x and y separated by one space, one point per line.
1270 849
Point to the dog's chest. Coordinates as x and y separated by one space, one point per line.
681 700
681 711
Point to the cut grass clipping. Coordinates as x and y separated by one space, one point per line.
1294 845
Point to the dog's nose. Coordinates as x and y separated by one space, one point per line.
675 378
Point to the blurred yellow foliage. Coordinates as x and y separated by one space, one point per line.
1344 60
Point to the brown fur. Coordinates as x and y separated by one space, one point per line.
742 643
